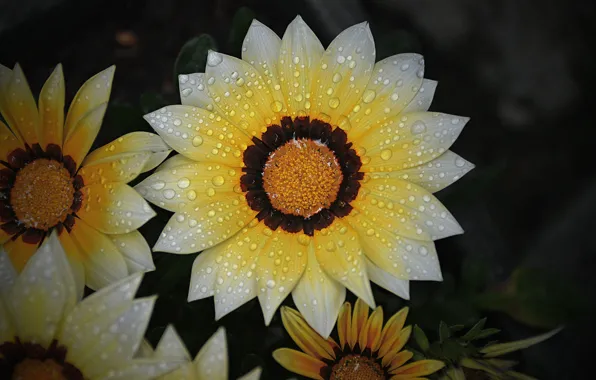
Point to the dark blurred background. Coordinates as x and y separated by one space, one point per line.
522 70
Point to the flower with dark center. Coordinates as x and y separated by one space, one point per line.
367 350
305 170
47 333
48 181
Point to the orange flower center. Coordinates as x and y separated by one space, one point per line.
302 177
42 194
356 367
33 369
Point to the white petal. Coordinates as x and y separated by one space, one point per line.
142 369
300 52
7 330
437 174
43 294
193 90
318 297
212 361
423 99
135 251
394 83
255 374
171 346
399 287
8 274
203 273
343 74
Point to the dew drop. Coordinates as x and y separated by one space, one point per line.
336 78
459 162
334 103
183 183
158 185
191 195
386 154
169 193
276 106
369 96
270 284
218 180
214 58
197 141
418 127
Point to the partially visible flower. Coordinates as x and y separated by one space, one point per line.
46 334
48 181
211 363
366 349
466 358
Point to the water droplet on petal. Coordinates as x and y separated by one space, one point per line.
418 127
334 103
218 180
183 183
386 154
214 58
369 96
276 106
197 141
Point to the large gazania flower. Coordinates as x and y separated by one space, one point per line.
305 170
46 333
366 349
211 363
47 180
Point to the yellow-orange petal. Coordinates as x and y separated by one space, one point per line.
299 363
397 345
51 109
22 108
400 359
75 258
122 169
359 319
8 141
280 265
344 324
392 330
300 52
93 93
131 143
340 254
81 137
19 252
305 337
114 208
418 369
370 336
4 237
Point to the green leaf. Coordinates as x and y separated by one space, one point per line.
475 330
240 24
193 55
444 332
421 339
452 350
151 101
454 374
505 348
486 333
456 328
482 365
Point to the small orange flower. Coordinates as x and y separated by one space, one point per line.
366 350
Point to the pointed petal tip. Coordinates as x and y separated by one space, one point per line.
256 22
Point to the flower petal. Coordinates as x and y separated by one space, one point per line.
300 52
184 186
344 324
392 330
434 175
19 252
122 169
141 369
113 337
370 335
199 134
203 274
212 360
317 296
344 71
409 141
418 369
7 330
339 253
81 137
51 109
171 346
305 337
93 93
8 142
75 258
423 98
394 83
359 319
8 274
43 294
22 108
397 345
134 142
103 262
135 251
299 363
240 93
397 286
261 49
114 208
406 209
280 265
5 78
399 360
193 91
255 374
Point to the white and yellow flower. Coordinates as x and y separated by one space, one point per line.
46 333
211 363
48 181
305 171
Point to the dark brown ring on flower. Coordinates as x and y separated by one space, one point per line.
256 156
